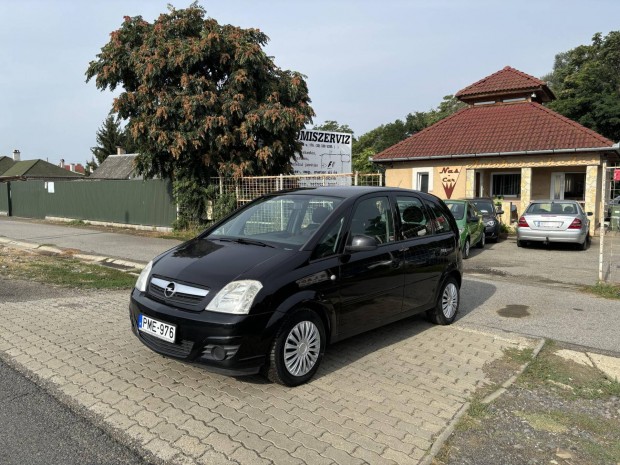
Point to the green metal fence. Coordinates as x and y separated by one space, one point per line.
117 201
4 198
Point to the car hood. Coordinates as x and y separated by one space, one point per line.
214 264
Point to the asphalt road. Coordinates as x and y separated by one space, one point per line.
113 245
38 429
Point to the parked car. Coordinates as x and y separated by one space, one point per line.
270 286
554 221
469 221
491 222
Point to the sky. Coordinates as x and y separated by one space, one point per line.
367 62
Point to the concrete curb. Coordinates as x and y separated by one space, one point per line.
84 257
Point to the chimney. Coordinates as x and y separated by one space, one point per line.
16 154
120 151
72 166
62 163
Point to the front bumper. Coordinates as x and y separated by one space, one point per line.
576 236
229 344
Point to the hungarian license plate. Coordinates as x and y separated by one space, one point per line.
156 328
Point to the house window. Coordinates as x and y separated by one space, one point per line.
423 182
506 184
422 179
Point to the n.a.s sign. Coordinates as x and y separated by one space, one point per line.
449 176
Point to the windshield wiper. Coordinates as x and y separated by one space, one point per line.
241 240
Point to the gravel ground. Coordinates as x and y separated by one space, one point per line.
544 422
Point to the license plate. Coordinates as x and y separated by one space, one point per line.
156 328
549 224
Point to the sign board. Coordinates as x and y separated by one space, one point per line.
324 152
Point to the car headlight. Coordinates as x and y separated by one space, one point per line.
236 297
143 278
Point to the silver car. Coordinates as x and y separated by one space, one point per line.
554 221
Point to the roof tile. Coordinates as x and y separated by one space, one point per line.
498 128
505 80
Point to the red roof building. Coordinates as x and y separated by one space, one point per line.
506 144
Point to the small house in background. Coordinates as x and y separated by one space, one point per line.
74 167
120 166
37 169
505 144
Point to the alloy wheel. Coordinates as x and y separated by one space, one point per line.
450 300
302 348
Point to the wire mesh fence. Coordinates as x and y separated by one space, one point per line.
248 188
609 259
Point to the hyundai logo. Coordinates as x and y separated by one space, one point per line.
170 290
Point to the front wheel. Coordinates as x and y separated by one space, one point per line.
447 305
297 349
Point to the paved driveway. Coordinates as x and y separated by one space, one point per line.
383 397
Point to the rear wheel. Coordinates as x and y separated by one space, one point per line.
482 240
297 349
521 243
585 244
447 305
466 248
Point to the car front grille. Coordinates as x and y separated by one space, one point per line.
185 295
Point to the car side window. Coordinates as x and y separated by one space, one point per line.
440 221
373 217
471 213
414 218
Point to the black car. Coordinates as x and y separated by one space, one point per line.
267 288
491 222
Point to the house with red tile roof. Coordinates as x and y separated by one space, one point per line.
505 144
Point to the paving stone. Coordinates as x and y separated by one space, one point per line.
371 402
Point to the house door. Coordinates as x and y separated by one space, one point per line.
568 186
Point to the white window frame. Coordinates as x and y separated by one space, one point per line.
493 194
415 178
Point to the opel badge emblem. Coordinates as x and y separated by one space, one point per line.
169 291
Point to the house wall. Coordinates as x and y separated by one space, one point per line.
451 175
4 198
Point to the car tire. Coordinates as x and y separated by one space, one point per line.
521 243
482 241
447 305
304 330
466 249
586 243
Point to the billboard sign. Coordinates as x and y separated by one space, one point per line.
324 152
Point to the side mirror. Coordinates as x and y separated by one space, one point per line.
499 212
589 213
362 243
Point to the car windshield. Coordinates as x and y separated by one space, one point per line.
554 208
288 219
457 209
484 206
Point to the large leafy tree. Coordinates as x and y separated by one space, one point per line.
386 135
110 136
202 99
586 82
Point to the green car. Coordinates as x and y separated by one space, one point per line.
469 221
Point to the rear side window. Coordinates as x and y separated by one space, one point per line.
414 218
441 222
